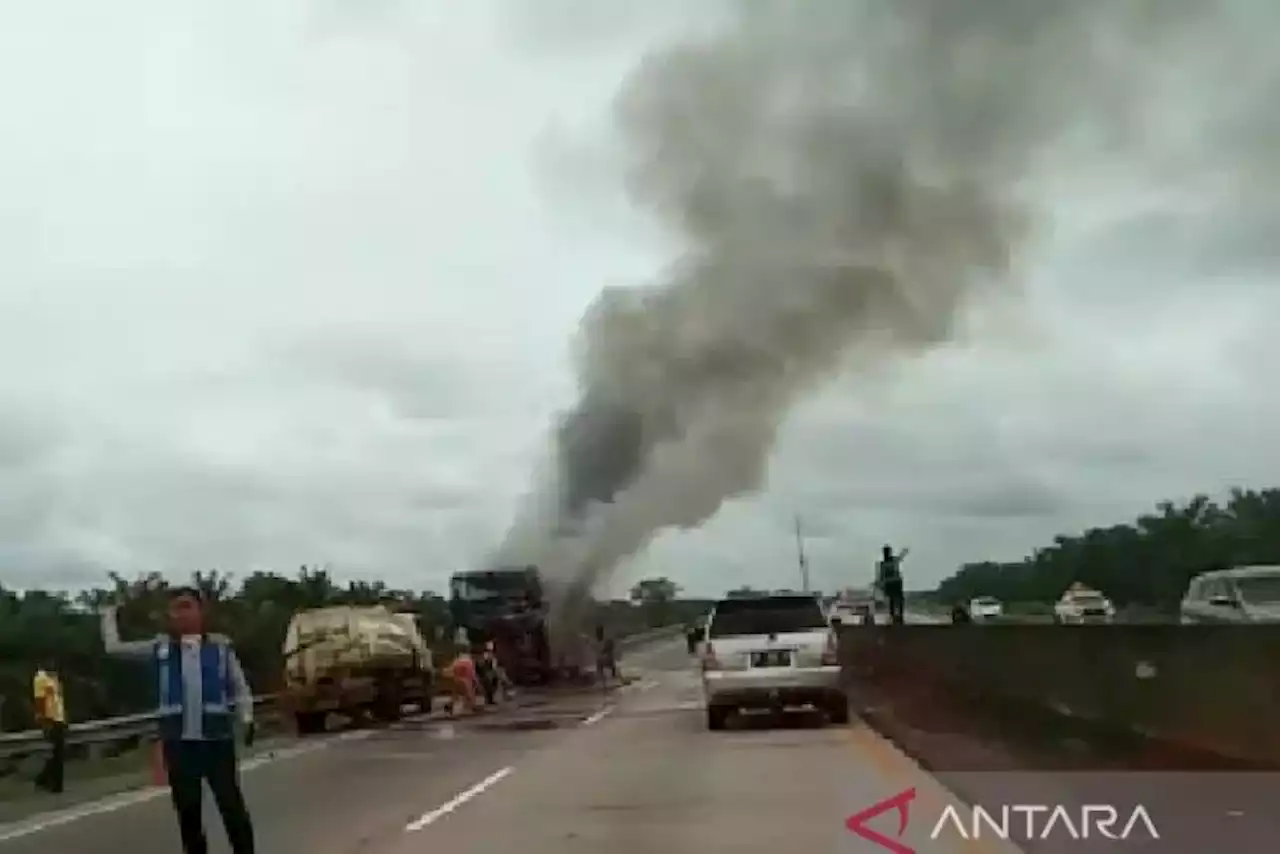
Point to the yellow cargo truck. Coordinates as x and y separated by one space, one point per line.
357 661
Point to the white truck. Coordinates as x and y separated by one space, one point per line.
1082 605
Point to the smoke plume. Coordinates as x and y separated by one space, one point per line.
845 178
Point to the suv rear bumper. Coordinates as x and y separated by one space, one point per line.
819 686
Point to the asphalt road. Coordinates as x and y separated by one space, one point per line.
632 773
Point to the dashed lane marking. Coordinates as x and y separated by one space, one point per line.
457 800
598 716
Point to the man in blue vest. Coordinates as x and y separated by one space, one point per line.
200 691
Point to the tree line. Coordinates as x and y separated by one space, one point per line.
254 612
1146 562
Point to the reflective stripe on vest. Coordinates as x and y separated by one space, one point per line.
215 685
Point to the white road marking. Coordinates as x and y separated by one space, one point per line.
457 801
597 716
46 821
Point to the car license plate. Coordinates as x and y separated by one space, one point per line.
771 658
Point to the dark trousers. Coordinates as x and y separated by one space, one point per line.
487 675
897 601
51 775
192 763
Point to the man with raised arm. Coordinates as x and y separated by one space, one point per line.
889 579
200 690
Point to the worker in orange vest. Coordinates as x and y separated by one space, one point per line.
464 684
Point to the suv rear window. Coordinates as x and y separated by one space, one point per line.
767 615
1259 589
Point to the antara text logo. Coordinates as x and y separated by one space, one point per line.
1018 822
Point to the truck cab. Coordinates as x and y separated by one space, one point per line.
506 606
477 596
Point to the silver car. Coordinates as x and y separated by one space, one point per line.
772 652
1246 594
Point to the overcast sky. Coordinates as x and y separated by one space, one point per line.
295 282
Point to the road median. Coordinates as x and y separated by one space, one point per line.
1202 689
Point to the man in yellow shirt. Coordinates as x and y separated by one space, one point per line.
51 716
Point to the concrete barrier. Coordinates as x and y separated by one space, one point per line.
1211 688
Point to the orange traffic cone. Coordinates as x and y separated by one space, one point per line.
159 771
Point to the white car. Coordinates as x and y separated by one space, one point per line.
1083 607
771 652
985 608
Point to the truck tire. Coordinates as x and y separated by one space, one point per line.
717 717
388 708
309 723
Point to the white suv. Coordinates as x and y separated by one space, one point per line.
1246 594
772 652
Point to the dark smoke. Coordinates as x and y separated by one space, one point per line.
846 177
600 447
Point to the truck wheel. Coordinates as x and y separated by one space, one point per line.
309 723
838 711
387 709
717 717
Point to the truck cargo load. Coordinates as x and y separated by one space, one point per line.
356 661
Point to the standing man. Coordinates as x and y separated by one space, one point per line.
889 577
200 688
51 717
606 657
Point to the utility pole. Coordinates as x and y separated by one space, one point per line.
800 558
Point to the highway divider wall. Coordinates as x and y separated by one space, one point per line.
1209 688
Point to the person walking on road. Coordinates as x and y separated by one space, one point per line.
889 577
201 689
51 717
463 682
606 657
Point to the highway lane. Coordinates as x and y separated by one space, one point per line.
650 777
636 771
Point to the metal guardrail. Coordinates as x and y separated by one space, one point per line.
109 730
103 731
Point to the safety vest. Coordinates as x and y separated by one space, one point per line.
215 691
